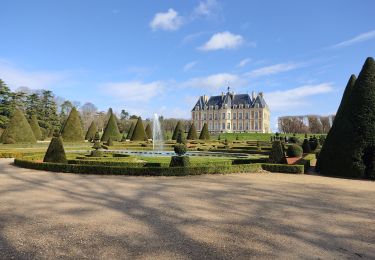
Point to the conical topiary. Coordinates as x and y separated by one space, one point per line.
176 130
205 135
349 149
18 130
277 153
148 131
139 133
111 129
131 131
35 127
90 135
192 134
306 146
72 129
55 152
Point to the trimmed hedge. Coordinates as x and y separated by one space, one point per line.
158 171
72 128
249 160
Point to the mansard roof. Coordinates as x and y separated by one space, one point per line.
231 100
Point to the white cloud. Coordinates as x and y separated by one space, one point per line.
189 66
215 81
134 91
17 77
357 39
243 62
169 21
207 8
275 69
284 100
223 40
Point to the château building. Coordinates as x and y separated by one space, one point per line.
232 113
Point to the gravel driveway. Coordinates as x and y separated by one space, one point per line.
46 215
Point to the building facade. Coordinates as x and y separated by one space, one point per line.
232 113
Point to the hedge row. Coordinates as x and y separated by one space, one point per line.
158 171
240 151
136 171
249 160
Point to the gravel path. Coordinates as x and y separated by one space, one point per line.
46 215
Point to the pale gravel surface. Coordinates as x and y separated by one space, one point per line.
46 215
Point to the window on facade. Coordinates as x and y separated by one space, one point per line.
228 115
256 125
247 115
215 116
247 125
228 126
234 126
252 114
260 114
204 116
210 126
223 126
210 117
234 116
223 116
256 114
239 115
240 126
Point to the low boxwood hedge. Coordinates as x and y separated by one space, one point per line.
158 171
249 160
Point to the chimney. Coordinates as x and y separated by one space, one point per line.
253 95
261 94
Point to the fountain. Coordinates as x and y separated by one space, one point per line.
157 134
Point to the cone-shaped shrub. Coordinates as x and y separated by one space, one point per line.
180 137
72 129
192 134
109 142
148 131
277 153
55 152
349 149
205 135
131 131
90 135
306 146
111 129
35 127
176 130
139 133
18 130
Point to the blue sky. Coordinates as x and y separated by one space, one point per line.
159 56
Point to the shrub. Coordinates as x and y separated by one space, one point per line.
55 152
179 161
18 130
294 150
313 141
180 137
177 129
322 138
139 133
277 153
96 153
293 139
148 131
90 134
180 149
131 131
192 134
306 146
111 129
72 128
109 142
205 135
283 168
35 127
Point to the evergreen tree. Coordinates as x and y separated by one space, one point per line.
306 146
277 153
55 152
35 127
148 131
205 135
18 130
72 129
349 148
90 135
48 117
139 133
111 129
33 103
131 131
192 134
176 130
5 100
